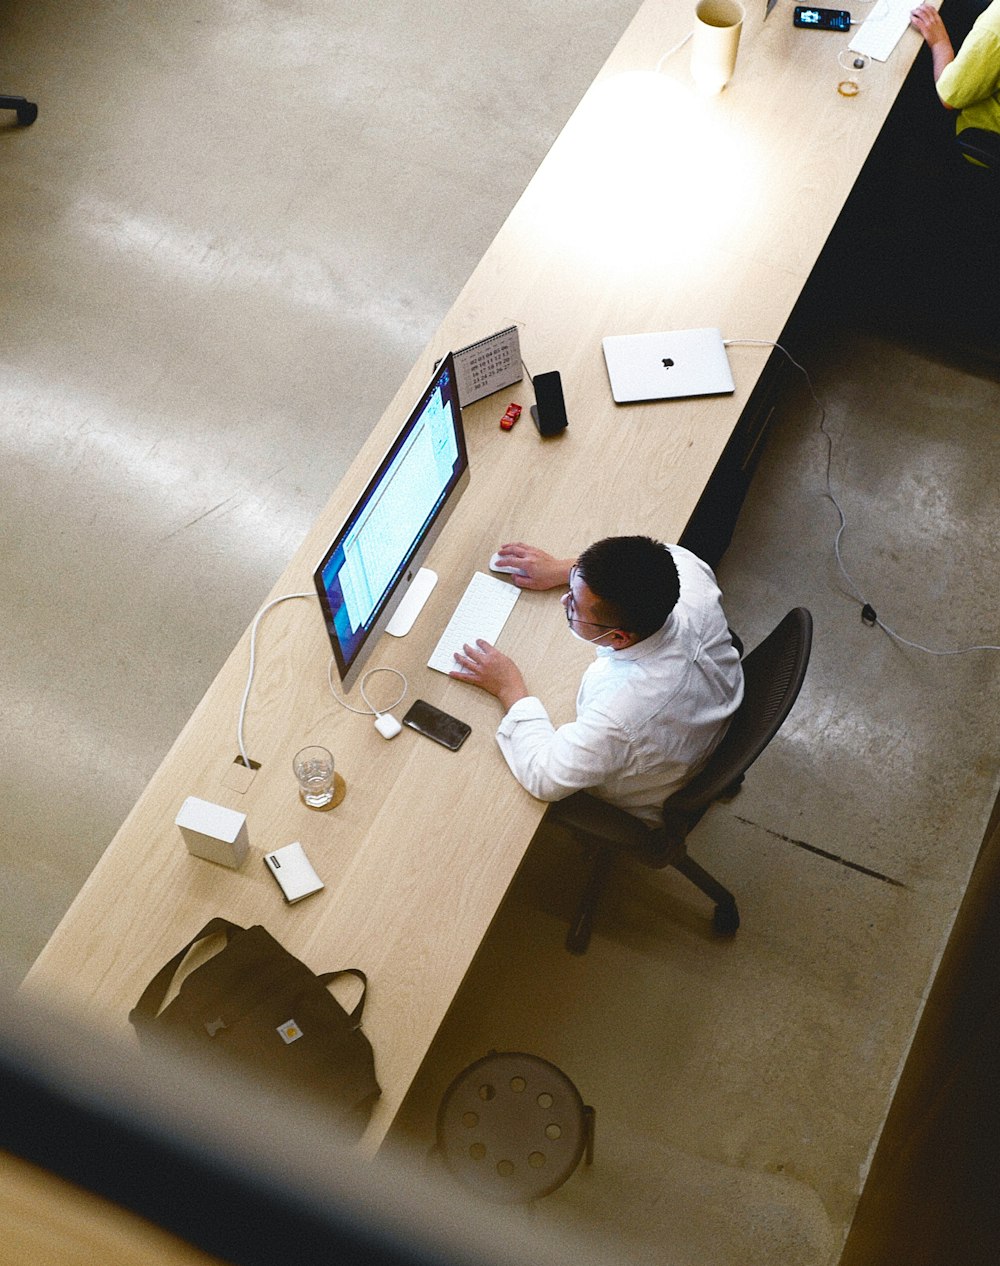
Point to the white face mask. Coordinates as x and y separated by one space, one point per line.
568 606
580 638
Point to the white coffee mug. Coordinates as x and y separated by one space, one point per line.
716 37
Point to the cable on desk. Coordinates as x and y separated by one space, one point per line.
371 710
670 52
253 655
868 612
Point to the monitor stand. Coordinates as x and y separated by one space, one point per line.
413 602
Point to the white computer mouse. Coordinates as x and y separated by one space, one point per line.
495 565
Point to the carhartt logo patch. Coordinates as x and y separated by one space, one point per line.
290 1032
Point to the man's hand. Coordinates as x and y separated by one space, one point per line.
484 666
538 570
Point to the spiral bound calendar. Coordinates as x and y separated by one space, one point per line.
487 366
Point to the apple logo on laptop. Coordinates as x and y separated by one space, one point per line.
667 363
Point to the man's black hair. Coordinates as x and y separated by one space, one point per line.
635 579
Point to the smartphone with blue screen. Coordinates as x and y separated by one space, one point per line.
814 19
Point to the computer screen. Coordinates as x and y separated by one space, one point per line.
376 555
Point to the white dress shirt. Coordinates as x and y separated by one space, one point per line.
647 716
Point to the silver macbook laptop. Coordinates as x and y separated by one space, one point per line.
667 366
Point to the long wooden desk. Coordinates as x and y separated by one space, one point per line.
655 209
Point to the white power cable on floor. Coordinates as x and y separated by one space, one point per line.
867 609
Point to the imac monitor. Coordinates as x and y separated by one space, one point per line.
375 557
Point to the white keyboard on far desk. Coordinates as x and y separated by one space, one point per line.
882 29
482 611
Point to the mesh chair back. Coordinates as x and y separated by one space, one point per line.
773 673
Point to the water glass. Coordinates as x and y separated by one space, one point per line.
849 84
313 768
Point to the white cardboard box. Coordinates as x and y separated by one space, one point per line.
214 832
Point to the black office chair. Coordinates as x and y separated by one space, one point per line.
980 145
773 673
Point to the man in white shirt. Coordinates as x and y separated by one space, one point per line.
658 698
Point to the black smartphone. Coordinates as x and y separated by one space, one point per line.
440 726
549 410
821 19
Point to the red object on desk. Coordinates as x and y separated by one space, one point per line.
510 417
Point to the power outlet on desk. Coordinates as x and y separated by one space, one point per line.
238 777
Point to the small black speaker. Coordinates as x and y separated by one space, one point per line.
549 409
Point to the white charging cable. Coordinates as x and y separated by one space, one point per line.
868 613
670 52
253 656
385 722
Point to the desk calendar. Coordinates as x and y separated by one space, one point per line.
487 366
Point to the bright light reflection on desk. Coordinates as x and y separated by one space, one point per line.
648 175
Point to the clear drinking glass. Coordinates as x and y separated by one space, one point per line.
852 65
313 768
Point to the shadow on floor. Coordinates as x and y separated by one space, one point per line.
916 251
932 1196
917 255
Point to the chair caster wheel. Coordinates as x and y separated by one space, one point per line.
726 919
27 113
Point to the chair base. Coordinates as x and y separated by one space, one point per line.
578 936
725 920
27 111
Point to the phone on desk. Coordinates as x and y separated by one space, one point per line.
440 726
821 19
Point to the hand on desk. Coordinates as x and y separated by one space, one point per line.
926 19
536 568
928 22
491 670
483 665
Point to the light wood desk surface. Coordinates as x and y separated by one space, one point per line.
655 209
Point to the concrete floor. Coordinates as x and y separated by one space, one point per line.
228 236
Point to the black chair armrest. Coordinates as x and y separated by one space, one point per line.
587 815
982 145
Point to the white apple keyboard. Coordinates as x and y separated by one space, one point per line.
482 611
882 29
